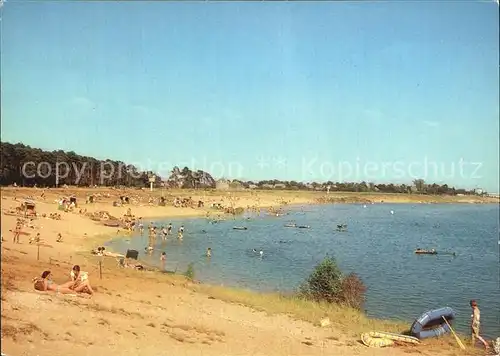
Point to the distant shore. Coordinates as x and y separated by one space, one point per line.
123 290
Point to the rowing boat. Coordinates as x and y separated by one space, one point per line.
384 339
426 252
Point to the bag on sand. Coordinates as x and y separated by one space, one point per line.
39 284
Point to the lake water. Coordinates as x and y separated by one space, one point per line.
379 246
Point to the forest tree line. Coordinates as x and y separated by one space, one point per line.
23 165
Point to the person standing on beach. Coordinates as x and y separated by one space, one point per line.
475 324
163 260
17 232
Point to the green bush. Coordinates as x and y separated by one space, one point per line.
353 291
189 274
327 284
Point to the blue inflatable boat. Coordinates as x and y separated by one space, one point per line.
432 324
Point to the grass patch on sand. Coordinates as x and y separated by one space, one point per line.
345 322
350 321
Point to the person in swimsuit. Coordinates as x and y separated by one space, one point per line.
169 229
180 234
163 260
475 324
45 283
80 281
17 232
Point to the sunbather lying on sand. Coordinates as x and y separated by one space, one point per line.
126 264
101 251
80 280
45 283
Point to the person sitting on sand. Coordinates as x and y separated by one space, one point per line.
59 238
475 323
35 239
80 279
45 283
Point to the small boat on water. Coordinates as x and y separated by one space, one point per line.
342 227
291 225
419 251
432 323
240 228
304 227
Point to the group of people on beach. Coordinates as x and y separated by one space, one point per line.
78 283
164 232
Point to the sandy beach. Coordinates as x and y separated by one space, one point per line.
152 313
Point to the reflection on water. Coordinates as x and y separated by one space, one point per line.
378 245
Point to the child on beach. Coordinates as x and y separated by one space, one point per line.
163 260
475 324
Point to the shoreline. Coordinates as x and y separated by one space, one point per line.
142 291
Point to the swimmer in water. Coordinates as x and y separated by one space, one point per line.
261 253
169 229
209 252
254 250
180 234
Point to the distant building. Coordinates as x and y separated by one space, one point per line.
478 191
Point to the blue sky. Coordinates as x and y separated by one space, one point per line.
297 91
